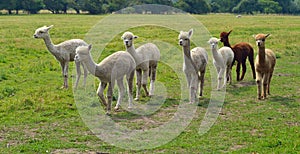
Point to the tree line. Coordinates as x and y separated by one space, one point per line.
190 6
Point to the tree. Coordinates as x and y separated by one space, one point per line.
32 6
246 6
94 6
269 6
55 6
193 6
10 5
223 5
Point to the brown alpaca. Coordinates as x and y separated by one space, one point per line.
264 66
241 52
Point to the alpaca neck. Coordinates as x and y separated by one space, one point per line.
91 65
261 55
216 55
187 55
226 43
133 53
50 46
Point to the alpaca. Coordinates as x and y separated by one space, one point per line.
146 58
63 52
195 61
241 52
222 60
264 66
113 67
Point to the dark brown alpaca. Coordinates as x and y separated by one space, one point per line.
241 52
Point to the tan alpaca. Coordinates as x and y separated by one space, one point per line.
264 66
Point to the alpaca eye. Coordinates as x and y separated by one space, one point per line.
186 39
263 40
41 32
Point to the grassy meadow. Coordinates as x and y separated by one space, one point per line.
37 116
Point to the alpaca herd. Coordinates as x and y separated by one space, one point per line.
144 61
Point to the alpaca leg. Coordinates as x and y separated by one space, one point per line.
144 81
130 88
265 84
109 96
188 79
220 77
244 69
78 73
85 74
100 90
62 65
229 76
138 84
153 78
201 82
66 69
194 88
121 90
269 82
259 83
238 68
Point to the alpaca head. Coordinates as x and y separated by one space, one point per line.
213 42
128 38
224 36
42 32
82 52
260 39
185 37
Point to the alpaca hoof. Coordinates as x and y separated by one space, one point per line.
130 107
108 113
136 99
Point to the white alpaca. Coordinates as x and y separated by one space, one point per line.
195 61
113 67
63 52
222 60
146 58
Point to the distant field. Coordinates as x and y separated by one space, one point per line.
38 117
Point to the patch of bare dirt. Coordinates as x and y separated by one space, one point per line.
244 84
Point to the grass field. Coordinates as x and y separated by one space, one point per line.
36 116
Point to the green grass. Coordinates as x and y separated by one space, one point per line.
38 117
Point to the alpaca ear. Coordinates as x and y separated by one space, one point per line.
90 47
267 35
253 35
135 37
229 32
190 33
49 27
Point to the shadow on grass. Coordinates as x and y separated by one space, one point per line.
286 101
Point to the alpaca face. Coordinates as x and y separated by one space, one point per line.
128 38
260 39
224 36
184 38
82 52
213 42
42 32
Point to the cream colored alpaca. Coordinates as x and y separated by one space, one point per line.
63 52
113 67
223 59
195 61
264 66
146 58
